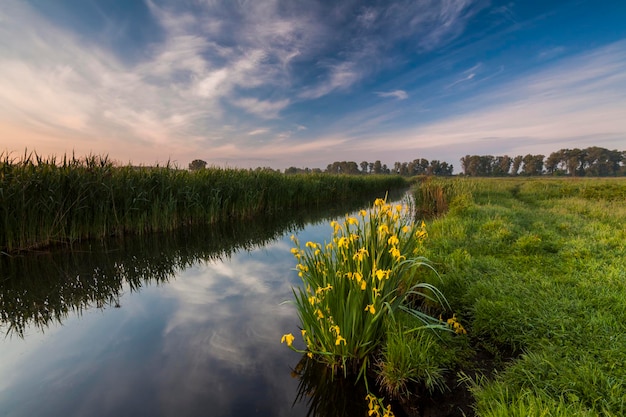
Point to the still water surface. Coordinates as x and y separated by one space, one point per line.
183 324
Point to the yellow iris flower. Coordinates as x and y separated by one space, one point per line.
288 338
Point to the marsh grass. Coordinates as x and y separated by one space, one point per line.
46 201
537 267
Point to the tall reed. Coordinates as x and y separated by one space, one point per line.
43 201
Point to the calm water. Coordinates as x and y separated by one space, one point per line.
185 324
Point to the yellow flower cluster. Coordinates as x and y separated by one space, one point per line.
340 339
374 408
454 324
350 280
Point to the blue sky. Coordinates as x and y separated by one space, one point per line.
279 83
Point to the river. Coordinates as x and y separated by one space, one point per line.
178 324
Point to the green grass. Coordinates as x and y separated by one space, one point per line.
45 201
538 267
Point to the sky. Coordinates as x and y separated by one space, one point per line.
304 83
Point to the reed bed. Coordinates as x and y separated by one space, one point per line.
47 201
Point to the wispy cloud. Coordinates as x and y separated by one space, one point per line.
398 94
260 131
263 108
578 98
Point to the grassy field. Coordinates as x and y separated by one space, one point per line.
47 201
536 271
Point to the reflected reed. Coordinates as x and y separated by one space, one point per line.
41 288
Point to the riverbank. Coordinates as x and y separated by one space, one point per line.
44 202
535 269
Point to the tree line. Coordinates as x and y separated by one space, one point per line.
407 169
591 161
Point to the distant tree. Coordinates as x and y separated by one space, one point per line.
364 166
574 159
502 165
533 164
465 162
601 162
378 168
197 164
404 169
517 163
439 168
555 163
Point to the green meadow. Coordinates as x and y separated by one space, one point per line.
535 269
47 201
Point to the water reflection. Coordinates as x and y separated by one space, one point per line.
200 338
328 395
42 288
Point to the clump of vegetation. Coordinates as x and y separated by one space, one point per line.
46 201
365 294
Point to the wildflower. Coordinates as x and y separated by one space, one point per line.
293 238
335 329
319 313
456 326
379 202
339 340
317 252
312 300
393 240
320 290
352 220
363 285
395 252
399 207
358 256
370 308
288 338
376 292
357 276
363 213
343 243
335 226
312 245
310 355
380 273
405 229
303 331
383 229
